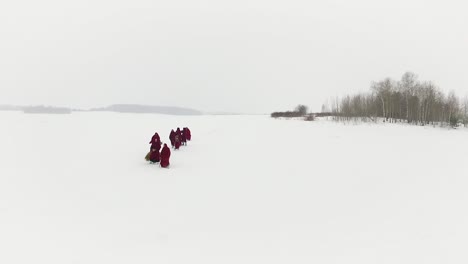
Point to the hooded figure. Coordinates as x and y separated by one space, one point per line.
188 136
172 137
183 139
155 142
165 155
177 141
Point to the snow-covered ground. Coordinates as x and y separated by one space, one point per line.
247 189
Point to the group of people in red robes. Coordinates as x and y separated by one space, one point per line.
180 137
155 156
177 138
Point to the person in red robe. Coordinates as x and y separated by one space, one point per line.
187 133
177 141
154 156
183 139
172 137
155 142
165 155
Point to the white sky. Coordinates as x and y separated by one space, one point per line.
254 56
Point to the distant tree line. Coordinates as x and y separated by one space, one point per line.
299 111
407 100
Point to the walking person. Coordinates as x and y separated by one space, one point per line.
165 155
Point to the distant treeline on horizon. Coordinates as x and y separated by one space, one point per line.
407 100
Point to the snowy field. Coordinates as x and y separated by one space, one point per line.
247 189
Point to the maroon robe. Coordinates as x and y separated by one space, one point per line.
165 155
154 155
155 142
183 140
172 137
177 141
187 133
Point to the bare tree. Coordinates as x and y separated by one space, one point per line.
383 91
453 108
464 111
302 109
407 87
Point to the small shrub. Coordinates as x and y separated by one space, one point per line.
309 117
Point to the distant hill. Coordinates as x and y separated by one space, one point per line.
9 108
134 108
36 109
40 109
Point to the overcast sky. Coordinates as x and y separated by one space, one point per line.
254 56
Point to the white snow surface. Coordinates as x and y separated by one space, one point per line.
247 189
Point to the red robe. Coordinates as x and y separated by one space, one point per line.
155 142
165 155
172 137
183 140
154 156
177 141
187 134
